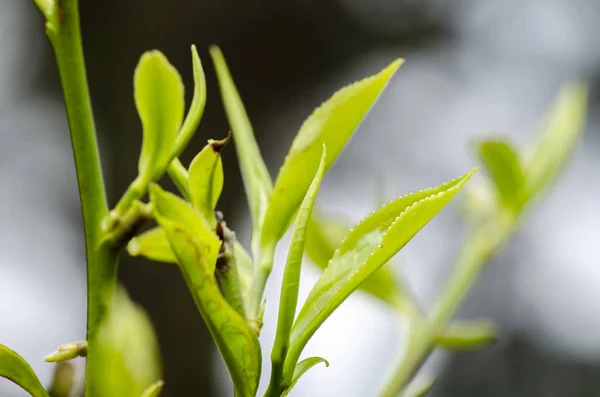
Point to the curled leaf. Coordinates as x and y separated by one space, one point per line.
158 92
302 367
196 247
14 368
371 243
152 244
331 124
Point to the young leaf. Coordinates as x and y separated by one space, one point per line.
293 266
196 248
152 244
503 165
562 130
245 268
331 124
325 235
206 179
468 335
158 92
127 350
302 367
371 243
14 368
257 181
153 390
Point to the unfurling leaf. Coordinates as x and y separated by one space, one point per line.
196 247
126 349
467 335
503 165
325 235
371 243
206 179
152 244
301 369
154 390
257 181
560 132
14 368
158 92
293 267
331 124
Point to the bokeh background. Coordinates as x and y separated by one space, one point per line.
474 68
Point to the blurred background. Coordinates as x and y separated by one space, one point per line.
473 68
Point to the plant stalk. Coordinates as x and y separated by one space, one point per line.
63 29
481 245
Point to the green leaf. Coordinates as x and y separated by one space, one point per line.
257 181
325 235
190 124
14 368
154 390
419 387
158 92
302 367
206 179
468 335
196 248
126 350
331 124
371 243
245 268
293 267
503 165
152 244
562 129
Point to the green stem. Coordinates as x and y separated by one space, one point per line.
63 30
482 244
259 282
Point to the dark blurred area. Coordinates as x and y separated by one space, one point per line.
473 68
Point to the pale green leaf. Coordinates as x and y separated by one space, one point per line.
196 248
154 390
419 387
126 350
14 368
371 243
293 266
331 124
504 167
256 178
152 244
302 367
245 268
206 180
158 92
561 130
325 235
467 335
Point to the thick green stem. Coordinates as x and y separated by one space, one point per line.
63 30
476 252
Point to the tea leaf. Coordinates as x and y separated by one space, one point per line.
245 268
331 124
14 368
158 92
206 180
302 367
196 248
293 266
371 243
563 128
127 350
325 235
503 165
468 335
154 390
152 244
257 181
